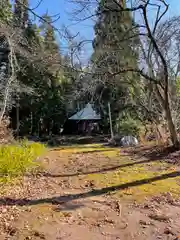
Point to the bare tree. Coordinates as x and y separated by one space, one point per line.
159 58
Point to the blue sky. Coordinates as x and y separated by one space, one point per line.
64 8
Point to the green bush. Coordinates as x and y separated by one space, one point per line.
128 126
19 158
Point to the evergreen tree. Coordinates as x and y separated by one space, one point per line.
44 109
5 11
5 17
113 46
40 90
50 46
21 13
49 34
114 50
5 22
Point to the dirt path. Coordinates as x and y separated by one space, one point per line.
65 204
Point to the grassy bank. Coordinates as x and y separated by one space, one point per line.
19 158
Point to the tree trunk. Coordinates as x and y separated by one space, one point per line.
17 117
110 120
166 107
31 119
172 129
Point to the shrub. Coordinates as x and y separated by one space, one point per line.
19 158
129 126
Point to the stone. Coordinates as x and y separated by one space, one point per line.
159 217
142 222
169 230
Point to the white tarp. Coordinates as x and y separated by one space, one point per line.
86 113
128 141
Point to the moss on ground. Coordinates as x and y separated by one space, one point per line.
129 174
90 148
132 174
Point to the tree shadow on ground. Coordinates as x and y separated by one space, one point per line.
79 147
78 150
102 170
96 192
56 141
154 152
94 151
